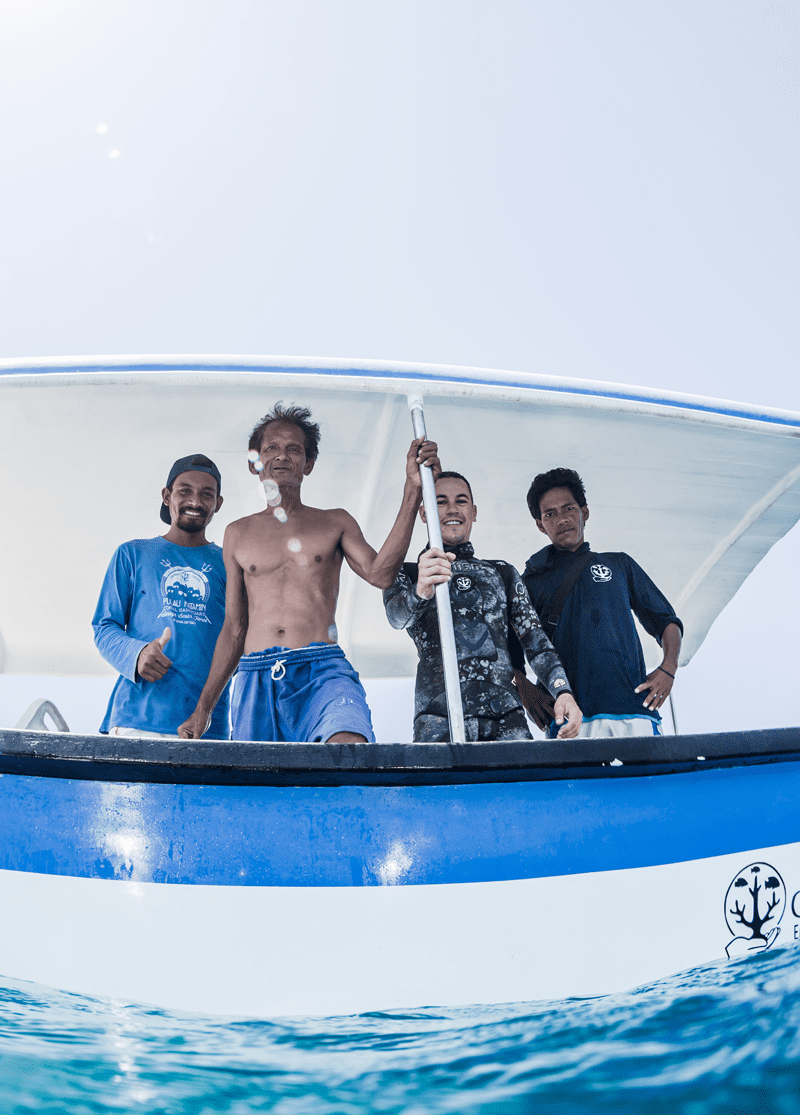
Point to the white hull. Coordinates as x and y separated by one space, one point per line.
271 951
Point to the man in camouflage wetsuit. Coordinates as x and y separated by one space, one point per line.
485 596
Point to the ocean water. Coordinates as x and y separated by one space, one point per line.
721 1038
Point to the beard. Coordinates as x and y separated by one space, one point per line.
190 526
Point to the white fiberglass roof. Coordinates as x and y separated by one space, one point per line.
694 489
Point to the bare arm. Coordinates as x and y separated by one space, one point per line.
659 682
536 701
229 646
381 569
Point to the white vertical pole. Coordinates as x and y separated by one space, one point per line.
452 684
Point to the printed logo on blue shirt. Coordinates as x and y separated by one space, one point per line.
600 573
185 592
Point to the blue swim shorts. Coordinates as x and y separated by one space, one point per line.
298 696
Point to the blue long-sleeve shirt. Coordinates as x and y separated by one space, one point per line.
151 584
596 638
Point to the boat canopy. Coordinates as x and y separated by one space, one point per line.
696 490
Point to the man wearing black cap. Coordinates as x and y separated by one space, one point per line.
165 590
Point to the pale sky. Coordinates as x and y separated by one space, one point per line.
604 189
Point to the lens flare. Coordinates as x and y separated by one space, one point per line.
272 493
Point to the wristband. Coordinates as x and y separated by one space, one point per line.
663 671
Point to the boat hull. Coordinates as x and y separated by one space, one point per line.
328 890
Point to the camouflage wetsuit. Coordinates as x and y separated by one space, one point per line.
485 596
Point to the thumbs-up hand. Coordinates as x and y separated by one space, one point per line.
152 663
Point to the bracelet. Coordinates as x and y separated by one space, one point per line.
663 671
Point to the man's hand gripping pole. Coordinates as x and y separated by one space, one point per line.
452 685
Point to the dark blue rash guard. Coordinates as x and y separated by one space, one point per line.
596 637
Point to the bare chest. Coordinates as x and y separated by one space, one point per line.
294 548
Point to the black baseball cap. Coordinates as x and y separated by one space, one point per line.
195 462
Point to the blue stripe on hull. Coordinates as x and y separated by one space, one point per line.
372 835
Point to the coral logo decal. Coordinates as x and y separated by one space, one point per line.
600 573
754 906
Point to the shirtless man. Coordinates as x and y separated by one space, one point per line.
282 567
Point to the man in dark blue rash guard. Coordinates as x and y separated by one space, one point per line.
161 609
595 635
488 601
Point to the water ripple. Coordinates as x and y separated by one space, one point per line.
719 1039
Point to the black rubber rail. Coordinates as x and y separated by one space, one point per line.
66 755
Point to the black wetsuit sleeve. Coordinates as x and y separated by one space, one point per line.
401 602
515 651
531 638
